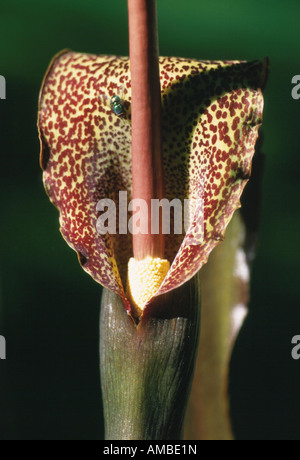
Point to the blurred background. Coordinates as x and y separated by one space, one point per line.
49 308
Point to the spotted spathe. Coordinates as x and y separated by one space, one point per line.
211 114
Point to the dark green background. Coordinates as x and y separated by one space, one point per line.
49 384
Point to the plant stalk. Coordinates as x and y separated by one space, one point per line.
147 160
147 370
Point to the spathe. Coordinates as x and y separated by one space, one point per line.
211 111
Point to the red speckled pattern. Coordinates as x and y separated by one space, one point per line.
212 111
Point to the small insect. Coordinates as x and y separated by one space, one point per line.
117 106
115 103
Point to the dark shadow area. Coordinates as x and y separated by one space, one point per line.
49 309
264 379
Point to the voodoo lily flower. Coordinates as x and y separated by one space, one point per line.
211 113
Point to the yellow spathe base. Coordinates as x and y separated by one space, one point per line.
144 279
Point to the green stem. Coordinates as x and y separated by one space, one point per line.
208 410
146 370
